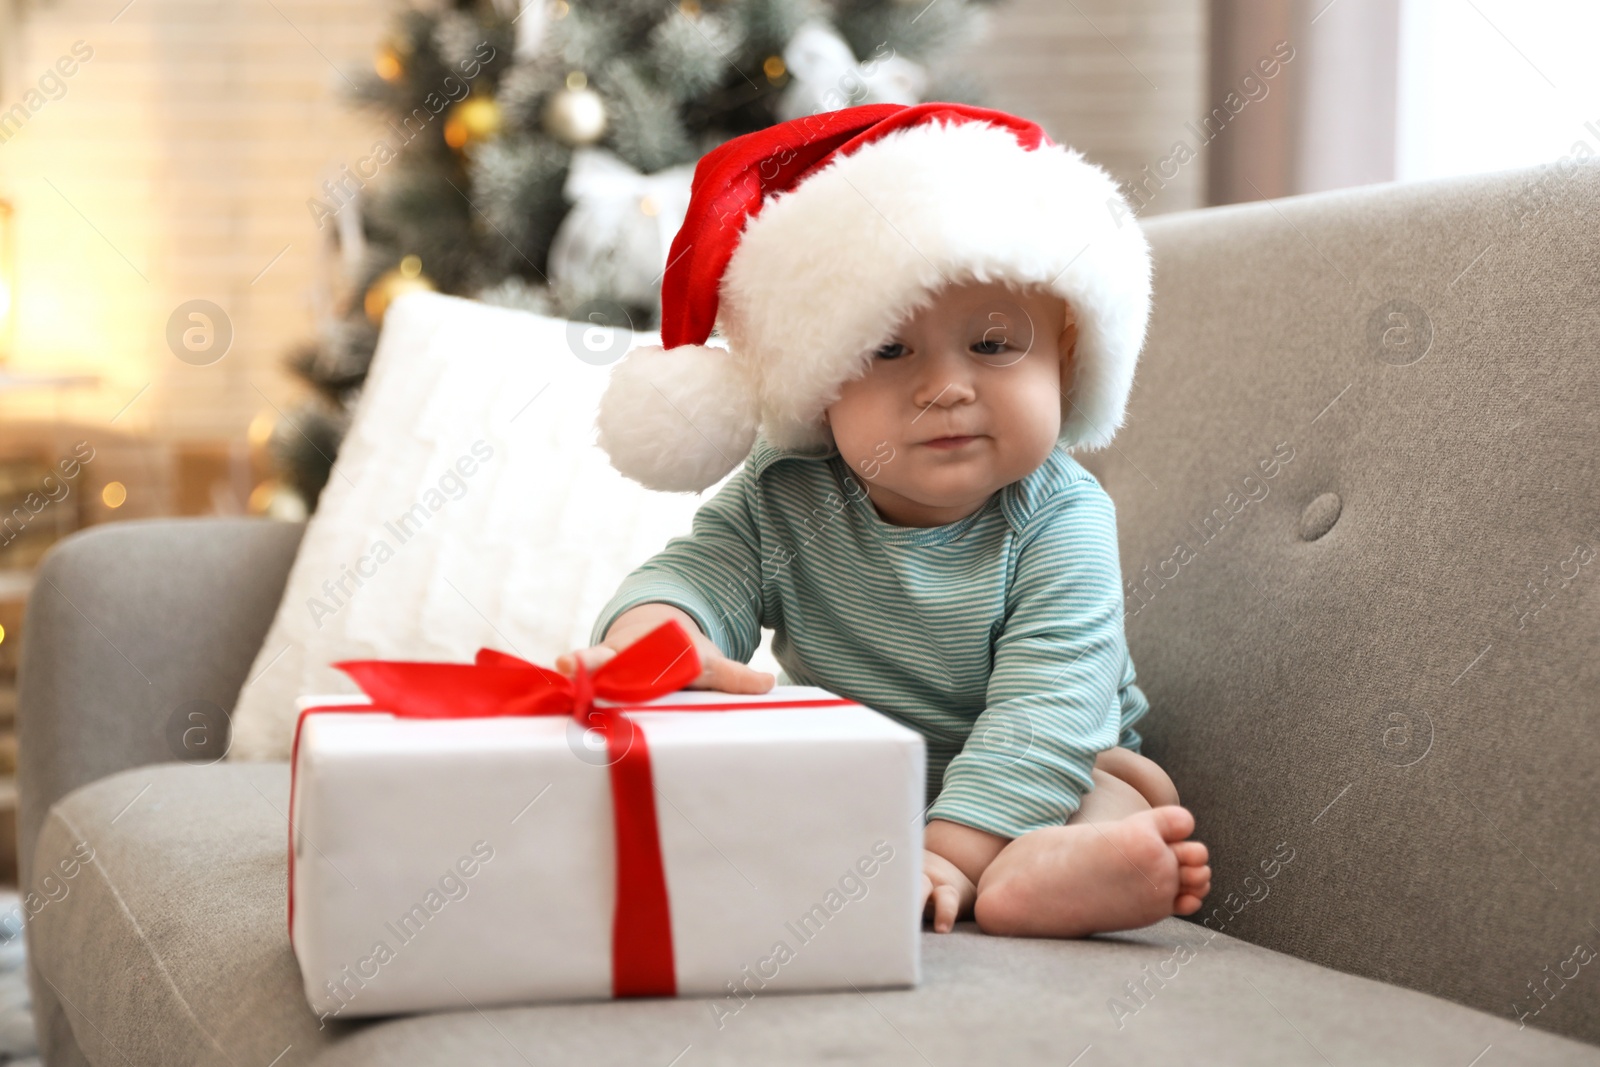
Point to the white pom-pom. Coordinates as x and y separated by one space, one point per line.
678 419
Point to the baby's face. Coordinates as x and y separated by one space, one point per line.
964 398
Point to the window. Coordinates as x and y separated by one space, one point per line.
1489 85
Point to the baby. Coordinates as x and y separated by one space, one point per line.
908 521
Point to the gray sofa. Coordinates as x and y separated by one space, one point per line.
1358 502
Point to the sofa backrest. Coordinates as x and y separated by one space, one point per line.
1359 508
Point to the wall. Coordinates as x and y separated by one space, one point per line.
1116 79
174 164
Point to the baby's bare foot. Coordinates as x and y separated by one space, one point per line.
1086 878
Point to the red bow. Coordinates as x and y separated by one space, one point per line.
661 662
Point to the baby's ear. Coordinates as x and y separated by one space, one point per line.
1068 342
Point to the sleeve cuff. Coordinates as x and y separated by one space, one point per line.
989 796
634 593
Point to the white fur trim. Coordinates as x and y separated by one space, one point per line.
826 271
678 419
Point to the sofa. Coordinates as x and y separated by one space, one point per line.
1357 499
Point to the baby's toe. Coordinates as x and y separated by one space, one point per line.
1192 878
1174 822
1191 853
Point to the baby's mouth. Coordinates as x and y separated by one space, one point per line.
952 442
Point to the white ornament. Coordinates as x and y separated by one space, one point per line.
528 20
616 236
530 29
576 116
826 76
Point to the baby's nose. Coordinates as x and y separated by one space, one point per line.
945 387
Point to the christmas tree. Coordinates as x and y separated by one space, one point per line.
539 155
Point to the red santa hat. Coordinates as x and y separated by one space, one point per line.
809 242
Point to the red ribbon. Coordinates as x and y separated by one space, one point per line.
661 662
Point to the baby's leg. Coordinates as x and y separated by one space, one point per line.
1117 864
1141 772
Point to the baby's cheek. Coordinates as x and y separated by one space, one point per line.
1030 416
862 435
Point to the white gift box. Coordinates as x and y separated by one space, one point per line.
448 863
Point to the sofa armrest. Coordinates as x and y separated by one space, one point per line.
127 623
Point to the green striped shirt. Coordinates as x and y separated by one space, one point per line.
998 637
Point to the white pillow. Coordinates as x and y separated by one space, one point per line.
470 501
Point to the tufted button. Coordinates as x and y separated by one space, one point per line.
1319 516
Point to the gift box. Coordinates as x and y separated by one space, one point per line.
494 833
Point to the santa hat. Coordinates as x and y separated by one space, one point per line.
809 242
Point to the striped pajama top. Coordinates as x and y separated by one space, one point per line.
998 637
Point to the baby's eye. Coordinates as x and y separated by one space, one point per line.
989 348
892 350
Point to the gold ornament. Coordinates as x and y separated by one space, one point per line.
390 60
473 121
406 278
388 64
774 68
576 115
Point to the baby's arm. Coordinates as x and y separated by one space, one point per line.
1053 700
708 580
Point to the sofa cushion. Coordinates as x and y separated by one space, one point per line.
169 946
1359 523
470 506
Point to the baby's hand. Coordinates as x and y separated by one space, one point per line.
946 892
718 671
